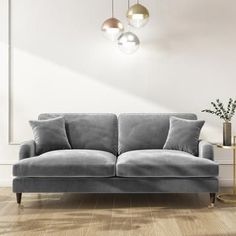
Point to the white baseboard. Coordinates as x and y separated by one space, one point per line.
226 182
5 175
6 182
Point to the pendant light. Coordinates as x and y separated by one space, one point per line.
137 15
112 27
128 42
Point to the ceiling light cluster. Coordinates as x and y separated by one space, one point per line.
128 42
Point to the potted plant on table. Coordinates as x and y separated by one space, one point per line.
225 113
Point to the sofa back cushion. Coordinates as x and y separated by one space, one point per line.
145 131
90 131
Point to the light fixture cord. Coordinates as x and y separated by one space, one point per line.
138 1
128 25
112 8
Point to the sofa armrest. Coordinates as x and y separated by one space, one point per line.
27 149
205 150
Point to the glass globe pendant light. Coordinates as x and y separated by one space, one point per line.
128 42
137 15
112 27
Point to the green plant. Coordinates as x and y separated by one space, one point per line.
225 113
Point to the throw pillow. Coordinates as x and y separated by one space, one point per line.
184 135
49 135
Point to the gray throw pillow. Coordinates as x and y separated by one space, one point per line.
184 135
49 135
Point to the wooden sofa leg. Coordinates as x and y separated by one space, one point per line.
18 197
212 199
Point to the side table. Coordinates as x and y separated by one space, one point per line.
230 197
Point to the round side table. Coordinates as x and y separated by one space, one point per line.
230 197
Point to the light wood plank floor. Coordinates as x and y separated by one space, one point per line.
114 214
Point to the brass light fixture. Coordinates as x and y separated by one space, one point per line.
112 27
137 15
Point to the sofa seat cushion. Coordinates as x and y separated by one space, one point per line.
67 163
164 163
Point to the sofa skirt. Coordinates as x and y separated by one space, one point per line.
114 185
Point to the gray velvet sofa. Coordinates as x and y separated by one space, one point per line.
113 154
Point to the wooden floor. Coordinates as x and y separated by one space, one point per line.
114 214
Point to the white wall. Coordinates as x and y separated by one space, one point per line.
62 63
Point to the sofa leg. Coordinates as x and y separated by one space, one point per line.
212 199
18 197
